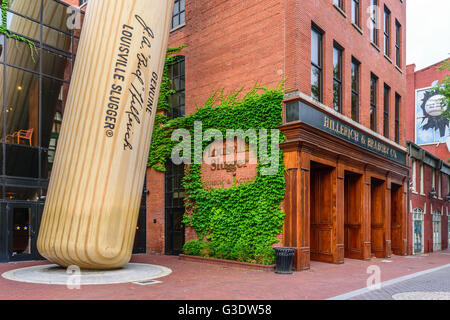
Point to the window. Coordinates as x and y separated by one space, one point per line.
373 102
177 77
387 32
316 63
387 93
339 3
418 230
433 179
355 89
437 230
179 14
355 12
374 22
398 34
414 176
397 117
421 179
439 185
337 78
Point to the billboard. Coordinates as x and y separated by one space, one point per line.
430 127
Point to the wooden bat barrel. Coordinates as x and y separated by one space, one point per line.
93 199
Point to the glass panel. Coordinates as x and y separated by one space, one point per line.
54 64
21 236
23 194
22 123
417 236
23 26
56 15
315 47
28 8
372 119
337 65
337 96
52 110
315 83
355 76
56 39
354 107
182 18
2 48
22 107
20 54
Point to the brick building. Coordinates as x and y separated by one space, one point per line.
429 148
344 62
344 118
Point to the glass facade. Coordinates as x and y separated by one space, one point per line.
34 82
174 190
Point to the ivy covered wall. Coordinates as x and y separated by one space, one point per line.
238 223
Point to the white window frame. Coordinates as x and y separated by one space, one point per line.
414 176
433 179
418 215
421 180
437 238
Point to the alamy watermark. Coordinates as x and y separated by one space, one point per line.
240 147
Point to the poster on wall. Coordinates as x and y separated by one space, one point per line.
430 127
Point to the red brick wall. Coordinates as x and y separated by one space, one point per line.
338 28
419 80
232 44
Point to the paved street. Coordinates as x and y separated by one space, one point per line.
199 281
431 286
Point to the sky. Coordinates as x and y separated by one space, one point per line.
428 32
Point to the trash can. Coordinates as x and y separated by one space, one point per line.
284 257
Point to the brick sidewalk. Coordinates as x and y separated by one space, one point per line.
198 281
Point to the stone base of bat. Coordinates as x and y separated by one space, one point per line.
73 276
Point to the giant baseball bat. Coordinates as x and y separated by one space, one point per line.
95 189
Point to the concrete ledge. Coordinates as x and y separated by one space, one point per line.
230 263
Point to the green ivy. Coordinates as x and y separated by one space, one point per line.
242 222
4 29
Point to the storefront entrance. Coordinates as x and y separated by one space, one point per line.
22 228
321 201
345 188
378 220
396 218
353 184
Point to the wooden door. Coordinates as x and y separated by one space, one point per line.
321 201
353 216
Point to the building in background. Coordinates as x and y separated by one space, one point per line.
429 150
344 117
425 126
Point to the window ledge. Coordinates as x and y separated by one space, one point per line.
357 28
423 194
375 46
415 192
387 58
178 27
399 70
340 10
